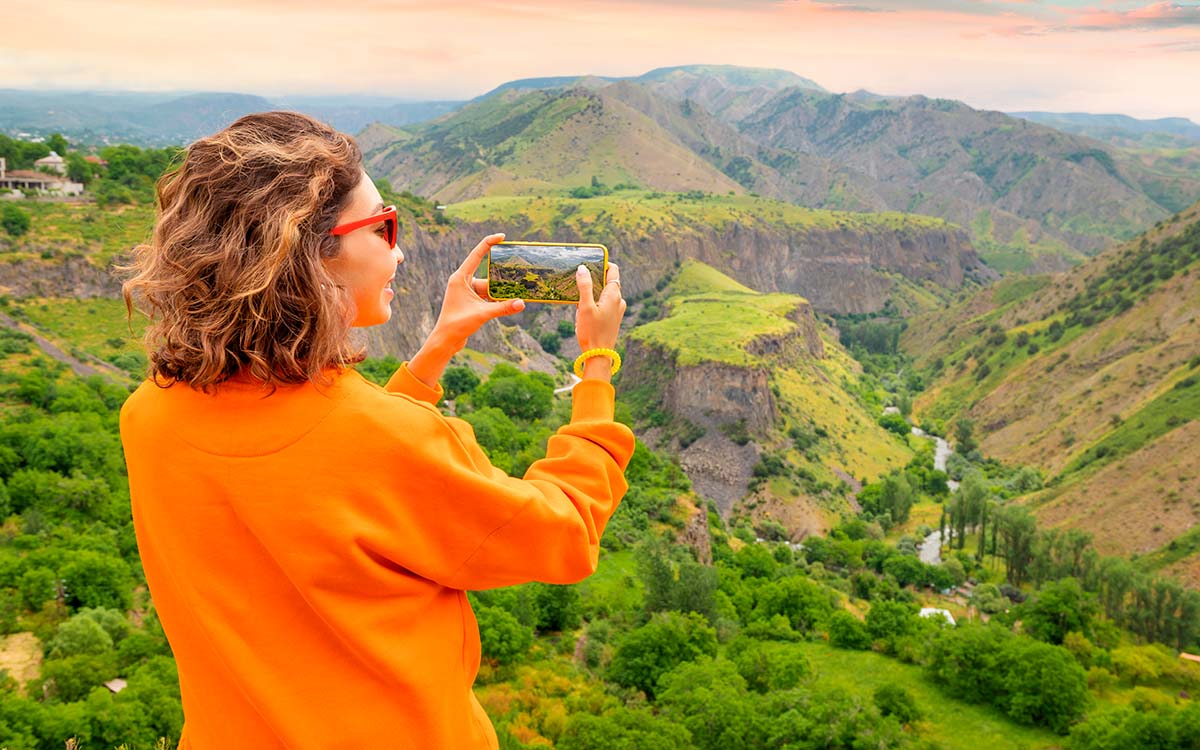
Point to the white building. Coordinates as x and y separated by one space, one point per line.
935 612
24 181
52 162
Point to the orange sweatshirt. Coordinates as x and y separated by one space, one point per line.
307 552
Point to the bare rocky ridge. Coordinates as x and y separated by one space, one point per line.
61 277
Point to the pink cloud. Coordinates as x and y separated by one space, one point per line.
1162 15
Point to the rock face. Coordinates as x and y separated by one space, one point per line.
695 535
66 277
716 396
839 271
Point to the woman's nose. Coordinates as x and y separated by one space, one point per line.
398 253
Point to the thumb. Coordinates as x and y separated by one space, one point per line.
507 307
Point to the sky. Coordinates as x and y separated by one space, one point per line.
1102 56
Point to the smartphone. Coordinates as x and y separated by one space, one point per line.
543 271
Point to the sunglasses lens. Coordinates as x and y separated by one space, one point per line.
393 230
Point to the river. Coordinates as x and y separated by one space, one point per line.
931 547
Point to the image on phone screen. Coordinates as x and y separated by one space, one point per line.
543 272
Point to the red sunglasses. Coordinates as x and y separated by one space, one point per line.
391 225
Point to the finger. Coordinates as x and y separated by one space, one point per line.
612 282
480 286
583 279
471 264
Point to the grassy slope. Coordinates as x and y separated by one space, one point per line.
951 723
522 143
1098 407
714 318
658 212
60 229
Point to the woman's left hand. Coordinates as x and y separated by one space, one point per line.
466 306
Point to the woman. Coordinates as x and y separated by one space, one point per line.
307 536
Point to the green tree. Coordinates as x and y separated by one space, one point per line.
847 631
970 661
78 168
710 699
558 607
668 640
1044 685
895 423
1058 608
519 395
889 620
805 603
459 380
80 635
769 665
71 678
58 144
907 570
964 439
501 636
1017 529
94 579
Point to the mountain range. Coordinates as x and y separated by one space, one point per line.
1032 197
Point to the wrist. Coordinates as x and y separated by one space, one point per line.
603 362
439 343
598 368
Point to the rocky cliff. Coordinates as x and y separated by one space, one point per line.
839 265
72 276
724 412
840 269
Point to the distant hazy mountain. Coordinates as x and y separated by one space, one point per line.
681 81
1121 130
179 118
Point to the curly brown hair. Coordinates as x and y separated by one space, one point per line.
232 279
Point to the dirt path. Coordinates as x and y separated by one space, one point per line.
80 368
21 657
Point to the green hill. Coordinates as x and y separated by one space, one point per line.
529 142
1092 376
726 367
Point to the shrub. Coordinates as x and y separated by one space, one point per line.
14 220
847 631
894 700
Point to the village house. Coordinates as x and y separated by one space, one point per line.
24 181
53 162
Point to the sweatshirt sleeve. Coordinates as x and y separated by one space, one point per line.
403 381
452 517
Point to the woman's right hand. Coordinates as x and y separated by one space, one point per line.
597 323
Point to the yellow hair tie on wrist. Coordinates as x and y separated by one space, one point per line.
610 353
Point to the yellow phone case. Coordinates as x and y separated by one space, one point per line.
531 282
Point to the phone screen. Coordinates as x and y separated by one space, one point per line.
543 271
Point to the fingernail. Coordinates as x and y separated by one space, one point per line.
518 304
581 270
